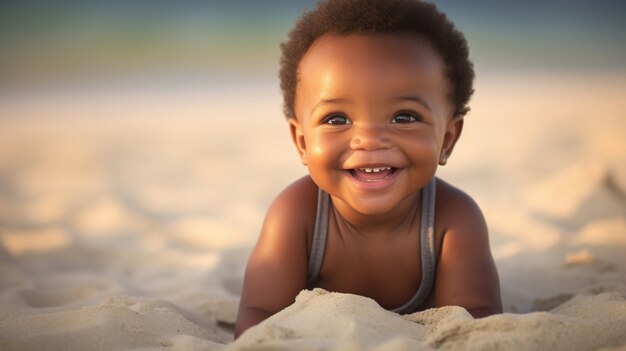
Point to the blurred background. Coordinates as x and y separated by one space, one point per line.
172 69
155 128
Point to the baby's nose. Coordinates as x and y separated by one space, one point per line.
369 138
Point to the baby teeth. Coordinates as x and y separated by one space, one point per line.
375 170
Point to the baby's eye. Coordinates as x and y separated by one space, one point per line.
404 117
336 119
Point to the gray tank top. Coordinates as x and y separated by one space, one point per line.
427 244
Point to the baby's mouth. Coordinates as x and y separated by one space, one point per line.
374 174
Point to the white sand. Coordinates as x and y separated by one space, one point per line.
339 322
126 219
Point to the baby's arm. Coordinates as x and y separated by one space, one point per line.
466 272
276 270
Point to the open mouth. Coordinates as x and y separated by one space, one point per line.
374 174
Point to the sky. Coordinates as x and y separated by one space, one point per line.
43 41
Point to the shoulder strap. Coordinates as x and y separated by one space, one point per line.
427 251
319 237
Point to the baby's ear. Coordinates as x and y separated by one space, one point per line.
452 135
298 138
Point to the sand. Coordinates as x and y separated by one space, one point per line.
583 323
127 216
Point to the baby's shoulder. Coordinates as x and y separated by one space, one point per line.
456 208
294 208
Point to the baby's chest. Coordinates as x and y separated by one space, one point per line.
389 273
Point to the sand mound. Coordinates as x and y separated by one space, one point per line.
320 320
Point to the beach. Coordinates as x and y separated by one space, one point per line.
127 216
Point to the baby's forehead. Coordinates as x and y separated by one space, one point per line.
370 68
332 57
358 53
370 43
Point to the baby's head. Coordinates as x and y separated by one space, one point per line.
400 18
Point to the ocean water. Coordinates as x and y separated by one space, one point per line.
195 42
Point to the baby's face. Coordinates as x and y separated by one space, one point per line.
373 118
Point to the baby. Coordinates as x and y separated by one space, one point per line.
375 94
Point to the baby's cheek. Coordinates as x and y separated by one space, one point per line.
317 151
425 147
425 156
324 147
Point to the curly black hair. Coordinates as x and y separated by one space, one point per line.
364 17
